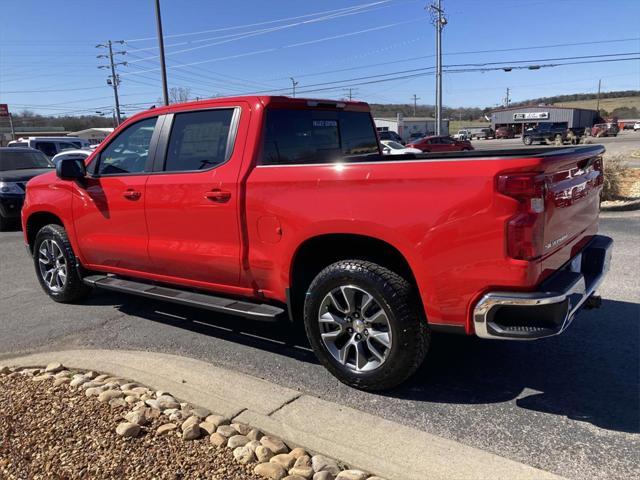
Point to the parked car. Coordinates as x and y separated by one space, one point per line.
270 207
50 146
462 135
545 133
390 135
636 126
479 133
394 148
605 130
505 132
17 166
79 154
441 144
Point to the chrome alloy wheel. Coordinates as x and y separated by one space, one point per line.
355 328
53 265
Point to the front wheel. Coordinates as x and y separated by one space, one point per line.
364 324
527 140
56 265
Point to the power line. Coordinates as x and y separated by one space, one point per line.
268 22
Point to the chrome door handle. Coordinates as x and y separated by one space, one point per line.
131 194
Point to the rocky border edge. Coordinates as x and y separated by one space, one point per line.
274 459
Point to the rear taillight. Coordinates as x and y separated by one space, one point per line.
525 230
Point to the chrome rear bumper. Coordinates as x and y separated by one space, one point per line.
550 310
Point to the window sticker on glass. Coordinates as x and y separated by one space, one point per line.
325 123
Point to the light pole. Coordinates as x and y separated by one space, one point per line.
163 68
293 85
439 21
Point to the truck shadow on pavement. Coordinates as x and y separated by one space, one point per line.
590 373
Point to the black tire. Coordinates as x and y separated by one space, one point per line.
407 327
527 140
72 288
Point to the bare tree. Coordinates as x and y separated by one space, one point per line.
179 94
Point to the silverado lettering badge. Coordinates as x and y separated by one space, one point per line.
556 242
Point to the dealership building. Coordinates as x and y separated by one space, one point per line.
519 118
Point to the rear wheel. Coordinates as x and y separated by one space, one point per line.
527 140
56 265
364 324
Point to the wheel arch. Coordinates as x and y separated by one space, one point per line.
317 252
36 221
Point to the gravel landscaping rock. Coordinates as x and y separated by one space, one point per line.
218 440
127 429
320 463
166 428
242 428
274 444
324 476
56 432
60 381
254 434
191 432
217 420
272 471
352 475
244 455
237 441
304 472
285 459
53 367
263 454
109 395
139 417
226 431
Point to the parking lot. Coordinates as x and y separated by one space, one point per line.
626 143
567 404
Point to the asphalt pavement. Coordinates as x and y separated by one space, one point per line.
568 404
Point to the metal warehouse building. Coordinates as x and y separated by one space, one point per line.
520 118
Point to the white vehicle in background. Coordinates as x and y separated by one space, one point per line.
462 135
636 126
389 147
51 146
77 154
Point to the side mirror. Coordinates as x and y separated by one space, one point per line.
386 150
71 169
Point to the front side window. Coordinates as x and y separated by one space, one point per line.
198 140
317 136
128 152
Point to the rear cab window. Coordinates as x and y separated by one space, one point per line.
297 136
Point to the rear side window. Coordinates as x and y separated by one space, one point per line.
48 148
317 136
199 140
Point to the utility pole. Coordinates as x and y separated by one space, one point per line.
350 94
163 68
506 99
439 21
13 130
114 79
598 101
294 84
415 103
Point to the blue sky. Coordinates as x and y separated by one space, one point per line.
48 64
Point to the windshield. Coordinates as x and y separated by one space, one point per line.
394 145
16 160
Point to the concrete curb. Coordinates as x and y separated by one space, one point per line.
385 448
627 206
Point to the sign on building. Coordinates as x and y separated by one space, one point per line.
4 110
531 116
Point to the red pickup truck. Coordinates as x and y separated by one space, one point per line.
271 207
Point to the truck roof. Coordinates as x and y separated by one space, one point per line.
264 100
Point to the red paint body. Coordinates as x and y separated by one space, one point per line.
444 215
436 144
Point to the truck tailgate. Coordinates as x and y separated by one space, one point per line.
573 183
